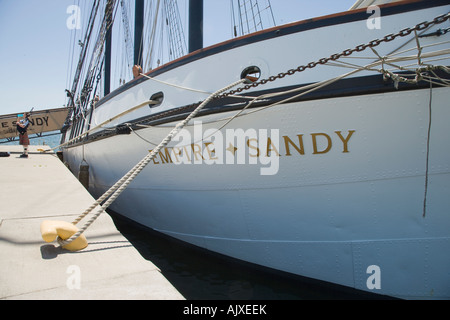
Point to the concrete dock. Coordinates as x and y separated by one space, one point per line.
41 188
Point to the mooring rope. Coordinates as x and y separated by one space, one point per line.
111 195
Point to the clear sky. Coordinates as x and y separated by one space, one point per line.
35 44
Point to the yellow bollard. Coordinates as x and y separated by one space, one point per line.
51 229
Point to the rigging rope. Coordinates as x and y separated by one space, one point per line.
111 195
304 90
390 59
81 60
334 57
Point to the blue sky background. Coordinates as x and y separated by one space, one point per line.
35 44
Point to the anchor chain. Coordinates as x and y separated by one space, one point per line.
359 48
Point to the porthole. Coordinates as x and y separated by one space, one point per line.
252 73
157 99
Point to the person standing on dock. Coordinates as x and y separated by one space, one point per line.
22 127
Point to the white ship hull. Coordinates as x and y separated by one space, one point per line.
351 189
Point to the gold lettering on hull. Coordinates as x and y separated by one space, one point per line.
288 146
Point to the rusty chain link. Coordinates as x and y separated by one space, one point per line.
334 57
372 44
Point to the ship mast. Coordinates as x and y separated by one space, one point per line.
108 40
195 25
138 30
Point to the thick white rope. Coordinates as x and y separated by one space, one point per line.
123 183
315 86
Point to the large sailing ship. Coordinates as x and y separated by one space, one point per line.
320 148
